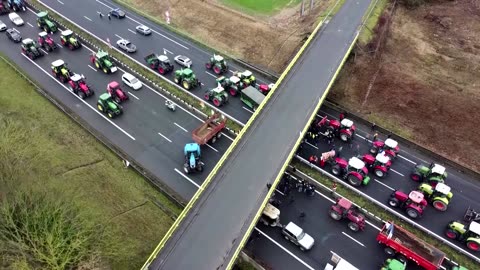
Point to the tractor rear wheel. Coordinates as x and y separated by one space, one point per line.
354 181
353 226
336 170
345 137
472 245
186 85
379 173
105 70
389 251
207 96
161 70
81 95
217 102
208 65
233 91
412 213
373 150
335 215
440 205
71 47
97 65
417 177
217 70
393 202
402 258
451 234
200 168
45 29
213 140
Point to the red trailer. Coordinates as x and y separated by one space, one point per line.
407 246
210 130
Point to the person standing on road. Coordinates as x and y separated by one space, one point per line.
339 152
357 150
109 16
374 126
101 15
375 137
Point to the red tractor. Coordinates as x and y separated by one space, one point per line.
413 203
390 147
378 165
344 209
78 86
46 41
353 170
114 90
264 88
344 129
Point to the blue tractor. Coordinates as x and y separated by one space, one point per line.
17 5
192 158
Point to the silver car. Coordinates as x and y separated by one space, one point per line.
144 30
183 61
126 46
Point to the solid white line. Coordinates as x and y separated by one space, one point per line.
165 137
358 242
133 95
167 51
59 45
30 24
400 156
60 2
211 147
44 51
396 172
99 113
284 249
247 109
118 36
132 31
373 225
312 145
180 127
94 69
280 192
128 17
186 177
88 18
211 74
324 196
384 184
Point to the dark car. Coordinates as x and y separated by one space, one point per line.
13 35
117 13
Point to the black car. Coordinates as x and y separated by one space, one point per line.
117 13
13 35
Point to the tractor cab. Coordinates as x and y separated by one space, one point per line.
357 165
218 90
164 59
247 77
437 170
218 59
390 147
28 44
58 65
379 165
77 80
60 70
432 174
234 79
391 144
44 22
344 209
66 34
439 195
113 88
68 39
416 197
192 155
442 189
346 123
270 216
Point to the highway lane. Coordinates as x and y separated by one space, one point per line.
464 187
137 131
85 14
239 187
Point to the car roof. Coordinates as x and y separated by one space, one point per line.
128 76
182 57
11 30
13 14
143 26
293 228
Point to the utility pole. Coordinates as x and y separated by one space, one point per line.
311 5
302 11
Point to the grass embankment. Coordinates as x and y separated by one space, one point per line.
139 68
359 200
376 11
43 151
264 7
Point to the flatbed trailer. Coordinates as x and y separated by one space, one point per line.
210 130
400 241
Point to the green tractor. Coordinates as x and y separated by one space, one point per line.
470 234
61 71
218 64
246 77
432 174
186 78
107 105
233 84
217 95
393 264
44 22
30 49
439 196
102 61
159 62
69 40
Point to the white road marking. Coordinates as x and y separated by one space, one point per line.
133 95
324 196
165 51
211 74
211 147
118 36
14 29
247 109
312 145
400 156
59 45
88 18
188 178
30 24
60 2
84 102
373 225
283 194
383 184
184 129
165 137
284 249
231 139
132 31
94 69
128 17
44 51
396 172
231 71
358 242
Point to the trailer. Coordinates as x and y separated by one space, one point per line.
251 97
339 263
406 246
210 130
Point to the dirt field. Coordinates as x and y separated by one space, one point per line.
425 79
267 41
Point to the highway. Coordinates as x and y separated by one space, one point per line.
85 14
239 187
152 135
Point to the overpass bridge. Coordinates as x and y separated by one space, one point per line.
216 223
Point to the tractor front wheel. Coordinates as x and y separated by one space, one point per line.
117 99
335 215
206 96
451 234
100 107
440 205
373 150
416 177
336 170
186 85
97 65
217 102
39 25
379 173
353 227
345 137
186 169
412 213
45 29
354 181
208 65
81 95
200 168
393 202
161 70
233 91
105 70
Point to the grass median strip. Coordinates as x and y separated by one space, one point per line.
363 202
44 153
182 95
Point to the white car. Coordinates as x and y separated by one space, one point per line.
3 26
131 81
144 30
15 19
183 61
297 236
126 45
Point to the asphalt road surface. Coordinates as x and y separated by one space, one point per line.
464 187
147 130
227 207
85 14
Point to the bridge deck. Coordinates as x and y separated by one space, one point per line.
211 232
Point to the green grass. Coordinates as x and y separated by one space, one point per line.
266 7
359 200
45 151
243 265
367 33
